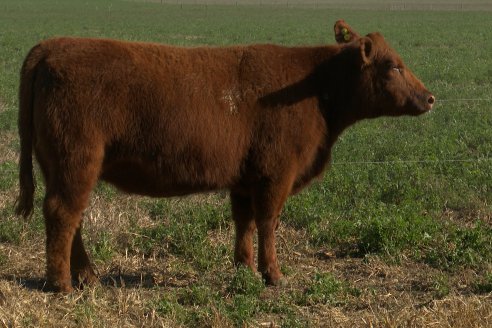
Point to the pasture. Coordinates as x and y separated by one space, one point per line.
398 232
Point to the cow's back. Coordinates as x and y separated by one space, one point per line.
169 118
173 120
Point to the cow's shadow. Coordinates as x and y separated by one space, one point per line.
31 283
135 280
118 280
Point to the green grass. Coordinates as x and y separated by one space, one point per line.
183 233
7 175
10 232
394 191
484 284
326 289
245 283
243 299
441 286
102 250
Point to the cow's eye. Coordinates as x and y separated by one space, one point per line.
392 65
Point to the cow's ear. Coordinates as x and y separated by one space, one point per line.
344 33
366 50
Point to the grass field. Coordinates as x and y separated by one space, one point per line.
438 5
397 234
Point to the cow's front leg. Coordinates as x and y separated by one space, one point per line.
268 204
242 213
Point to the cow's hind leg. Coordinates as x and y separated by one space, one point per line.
80 265
242 213
67 194
62 220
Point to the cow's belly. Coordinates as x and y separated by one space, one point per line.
162 180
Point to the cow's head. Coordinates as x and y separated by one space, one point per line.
383 85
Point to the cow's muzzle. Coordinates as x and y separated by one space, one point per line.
431 100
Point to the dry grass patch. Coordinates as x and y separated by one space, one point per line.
116 212
8 153
92 307
169 288
133 285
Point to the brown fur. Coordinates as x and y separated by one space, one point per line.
158 120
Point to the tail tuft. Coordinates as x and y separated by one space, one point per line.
25 201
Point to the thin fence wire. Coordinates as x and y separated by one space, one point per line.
416 161
425 161
341 4
356 163
347 163
465 99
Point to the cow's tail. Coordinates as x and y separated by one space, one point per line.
25 201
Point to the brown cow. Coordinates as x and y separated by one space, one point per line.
162 121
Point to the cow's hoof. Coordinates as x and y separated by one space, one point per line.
63 287
86 278
283 282
275 280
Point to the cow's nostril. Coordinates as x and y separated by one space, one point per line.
431 100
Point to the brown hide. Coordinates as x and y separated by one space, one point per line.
157 120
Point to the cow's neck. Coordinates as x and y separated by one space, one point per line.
335 79
329 83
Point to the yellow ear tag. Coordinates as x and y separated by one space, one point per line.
346 34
